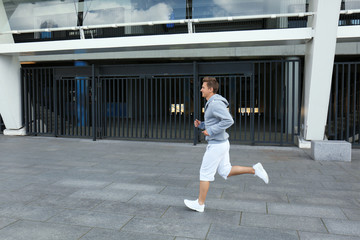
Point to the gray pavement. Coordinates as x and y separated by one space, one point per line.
55 188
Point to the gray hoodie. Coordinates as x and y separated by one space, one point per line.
217 119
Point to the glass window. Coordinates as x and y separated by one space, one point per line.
64 13
224 8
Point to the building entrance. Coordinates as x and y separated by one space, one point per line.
159 102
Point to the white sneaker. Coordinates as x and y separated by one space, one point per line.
261 173
194 205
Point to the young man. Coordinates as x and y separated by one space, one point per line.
216 157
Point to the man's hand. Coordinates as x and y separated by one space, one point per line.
205 133
197 123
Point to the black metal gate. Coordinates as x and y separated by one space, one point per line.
137 102
344 107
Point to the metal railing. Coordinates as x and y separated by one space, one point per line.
160 102
233 23
344 107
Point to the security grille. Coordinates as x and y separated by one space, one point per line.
160 101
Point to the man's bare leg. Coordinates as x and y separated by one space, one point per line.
237 170
203 190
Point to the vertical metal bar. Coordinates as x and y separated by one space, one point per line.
45 96
170 97
136 107
55 107
180 102
246 106
166 107
234 79
66 113
50 97
93 110
26 98
354 105
259 100
176 102
282 103
265 106
132 106
64 105
336 100
184 101
195 100
342 100
119 108
348 104
161 107
270 98
128 95
241 105
152 106
122 107
156 107
299 96
252 93
41 101
276 101
287 101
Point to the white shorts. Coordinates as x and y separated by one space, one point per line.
215 158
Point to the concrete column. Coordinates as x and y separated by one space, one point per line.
319 60
10 87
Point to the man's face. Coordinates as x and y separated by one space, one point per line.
205 90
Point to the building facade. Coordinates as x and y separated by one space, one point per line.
132 68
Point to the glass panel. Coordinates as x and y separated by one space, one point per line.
45 14
352 4
64 13
224 8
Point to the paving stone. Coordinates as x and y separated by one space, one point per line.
138 209
136 187
25 230
171 227
111 195
66 202
91 219
78 183
191 192
236 205
352 213
343 227
282 222
6 221
268 197
97 234
305 210
28 212
208 216
326 201
226 232
321 236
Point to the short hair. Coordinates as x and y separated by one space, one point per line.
211 82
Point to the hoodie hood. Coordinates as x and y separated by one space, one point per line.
217 97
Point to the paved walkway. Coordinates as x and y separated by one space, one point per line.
53 188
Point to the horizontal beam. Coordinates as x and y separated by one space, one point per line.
176 41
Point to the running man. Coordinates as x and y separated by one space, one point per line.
216 157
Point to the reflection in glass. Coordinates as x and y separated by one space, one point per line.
224 8
64 13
